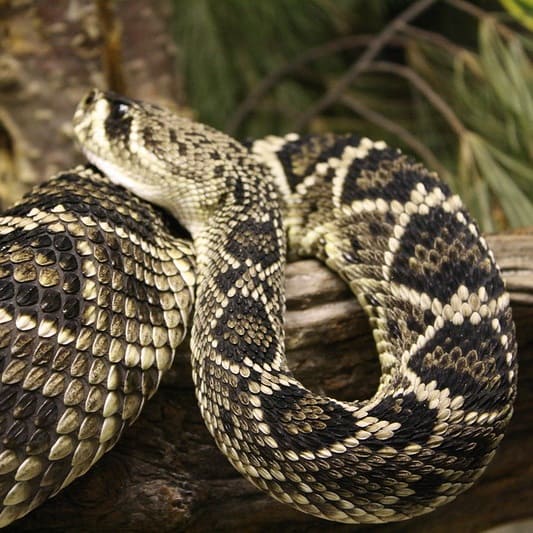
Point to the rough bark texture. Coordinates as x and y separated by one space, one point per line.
167 475
51 53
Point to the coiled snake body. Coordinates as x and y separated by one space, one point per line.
96 292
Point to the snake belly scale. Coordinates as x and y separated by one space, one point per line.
392 230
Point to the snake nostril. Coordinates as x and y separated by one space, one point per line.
90 98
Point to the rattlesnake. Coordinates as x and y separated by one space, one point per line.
96 292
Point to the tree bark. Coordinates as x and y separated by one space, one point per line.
167 475
51 54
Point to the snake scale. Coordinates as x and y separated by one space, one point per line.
97 290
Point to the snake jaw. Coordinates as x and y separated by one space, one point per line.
121 176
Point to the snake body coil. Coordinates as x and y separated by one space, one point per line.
390 228
95 294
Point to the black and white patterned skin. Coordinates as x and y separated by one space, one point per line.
95 295
408 250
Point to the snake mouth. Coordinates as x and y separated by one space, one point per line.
120 177
152 193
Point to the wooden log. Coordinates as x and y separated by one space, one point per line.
167 475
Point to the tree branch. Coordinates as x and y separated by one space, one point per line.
423 86
274 77
393 127
377 44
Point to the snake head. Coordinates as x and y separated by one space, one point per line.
161 157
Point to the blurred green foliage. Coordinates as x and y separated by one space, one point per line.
454 87
522 10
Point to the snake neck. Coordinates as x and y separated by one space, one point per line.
240 267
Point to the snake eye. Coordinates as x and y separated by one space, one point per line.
119 110
118 121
